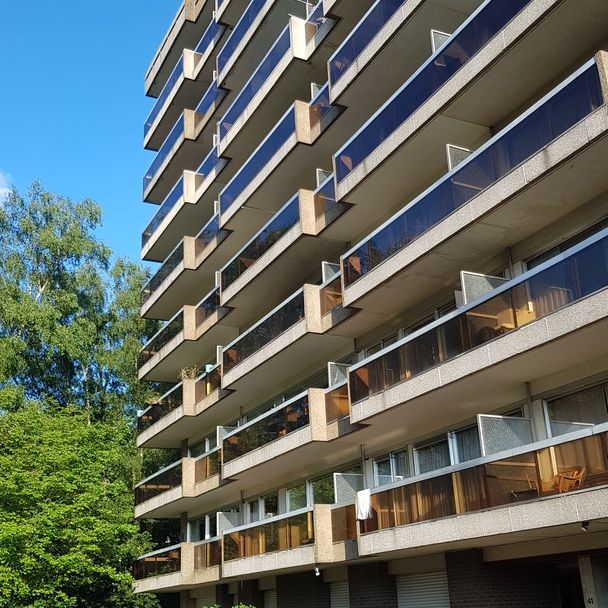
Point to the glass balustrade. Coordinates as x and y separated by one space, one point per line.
208 305
210 36
331 295
284 129
159 483
174 259
359 39
265 331
172 328
321 112
529 134
549 471
315 21
208 382
207 465
167 148
337 404
170 201
165 405
343 523
210 99
287 217
288 532
211 231
575 274
466 42
207 554
175 75
262 73
166 561
265 429
239 33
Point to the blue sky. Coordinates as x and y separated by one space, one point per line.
72 105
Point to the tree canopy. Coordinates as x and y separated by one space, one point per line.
69 336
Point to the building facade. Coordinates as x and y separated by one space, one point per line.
382 236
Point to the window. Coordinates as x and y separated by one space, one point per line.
465 444
205 527
203 446
433 454
323 490
296 497
394 467
577 410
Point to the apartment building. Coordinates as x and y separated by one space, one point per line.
382 237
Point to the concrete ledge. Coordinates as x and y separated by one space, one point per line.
158 501
160 425
154 584
500 522
280 560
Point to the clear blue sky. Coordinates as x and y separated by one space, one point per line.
72 105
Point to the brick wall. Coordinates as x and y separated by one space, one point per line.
303 590
370 585
476 584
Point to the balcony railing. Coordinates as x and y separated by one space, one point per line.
331 295
167 479
268 427
262 73
210 37
165 561
208 382
287 217
337 405
259 159
207 554
165 405
167 148
276 534
238 33
170 201
467 41
358 40
571 276
315 21
207 465
285 316
210 99
174 259
175 75
343 523
556 469
172 328
546 121
320 109
207 306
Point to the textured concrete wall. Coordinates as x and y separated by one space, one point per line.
476 584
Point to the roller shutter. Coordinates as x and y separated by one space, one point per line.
429 590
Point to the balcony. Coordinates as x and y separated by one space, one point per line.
193 409
193 70
392 32
259 22
292 329
161 488
274 259
500 195
184 32
187 206
543 489
527 328
294 540
188 339
284 74
179 567
289 154
447 100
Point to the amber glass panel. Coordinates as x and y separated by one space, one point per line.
336 403
163 482
207 555
343 523
207 466
157 564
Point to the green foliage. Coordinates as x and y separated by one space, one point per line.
69 328
67 539
69 337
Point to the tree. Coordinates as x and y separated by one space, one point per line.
69 336
67 538
69 324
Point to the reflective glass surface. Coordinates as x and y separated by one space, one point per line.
158 484
525 137
171 329
170 201
175 258
157 564
470 39
177 133
264 332
165 405
175 75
